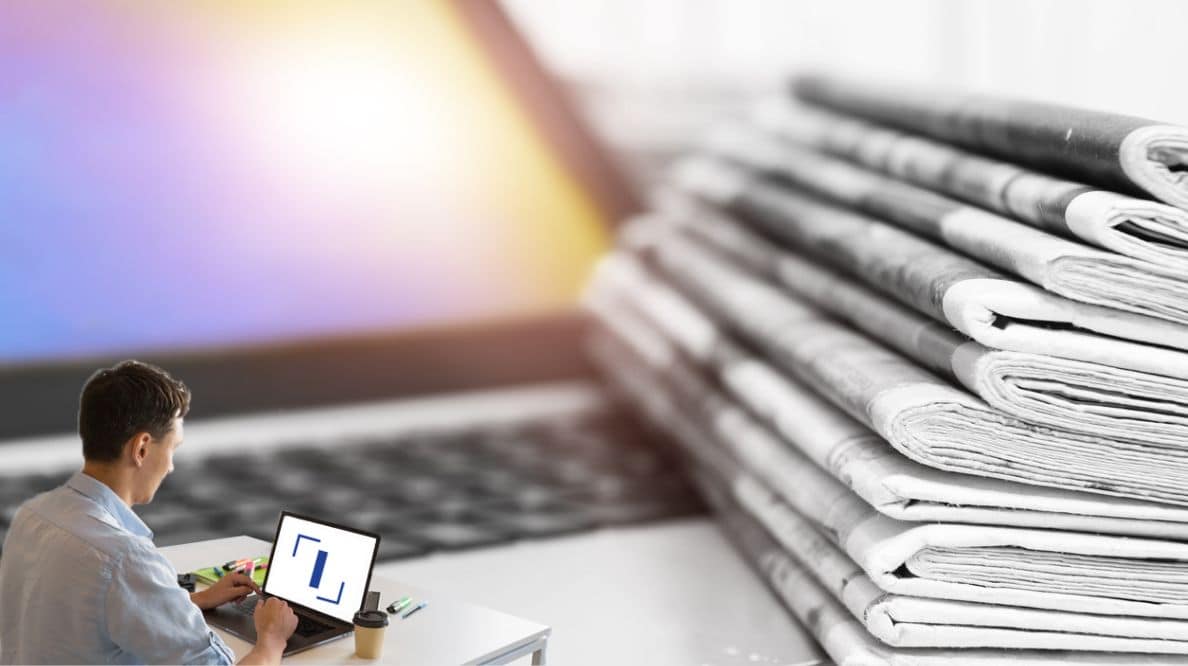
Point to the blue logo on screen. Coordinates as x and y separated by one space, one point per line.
319 567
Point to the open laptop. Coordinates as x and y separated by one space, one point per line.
322 570
358 232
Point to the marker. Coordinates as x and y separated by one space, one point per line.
244 569
398 605
415 609
236 564
218 572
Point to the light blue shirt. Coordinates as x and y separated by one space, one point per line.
82 583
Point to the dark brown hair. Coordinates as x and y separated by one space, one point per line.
128 398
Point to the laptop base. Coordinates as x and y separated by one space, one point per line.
238 621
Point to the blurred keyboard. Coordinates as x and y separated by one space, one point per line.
424 491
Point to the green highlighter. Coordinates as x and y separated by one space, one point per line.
399 605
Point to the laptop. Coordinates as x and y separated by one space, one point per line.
359 233
322 570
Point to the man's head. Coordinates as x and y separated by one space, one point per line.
130 418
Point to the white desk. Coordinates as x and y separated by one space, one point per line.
447 631
674 593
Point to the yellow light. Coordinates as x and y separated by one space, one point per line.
344 107
391 107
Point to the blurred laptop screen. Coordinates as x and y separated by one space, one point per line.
188 175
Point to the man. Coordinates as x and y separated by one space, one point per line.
80 579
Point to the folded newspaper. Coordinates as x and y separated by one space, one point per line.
1059 265
851 452
842 635
896 620
848 547
1113 151
996 310
923 416
1045 390
1135 227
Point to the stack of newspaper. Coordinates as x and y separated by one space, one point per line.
937 392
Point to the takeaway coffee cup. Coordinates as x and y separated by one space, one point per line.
369 633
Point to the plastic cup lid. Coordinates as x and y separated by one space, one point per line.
371 619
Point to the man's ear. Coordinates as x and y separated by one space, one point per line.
139 448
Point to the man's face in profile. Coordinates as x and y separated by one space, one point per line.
158 462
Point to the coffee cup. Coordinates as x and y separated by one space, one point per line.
369 633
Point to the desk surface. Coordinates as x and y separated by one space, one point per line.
662 594
446 631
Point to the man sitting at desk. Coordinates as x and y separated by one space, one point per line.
80 579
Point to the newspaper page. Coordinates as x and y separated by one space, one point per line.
925 622
1113 151
905 621
1073 270
926 418
902 621
833 441
1138 228
998 311
1044 390
843 636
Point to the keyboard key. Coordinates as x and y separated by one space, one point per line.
640 511
8 513
457 534
542 521
396 546
179 536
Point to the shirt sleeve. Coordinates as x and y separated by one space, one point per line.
150 616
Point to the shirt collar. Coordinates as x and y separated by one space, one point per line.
107 499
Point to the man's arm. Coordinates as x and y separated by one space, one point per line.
263 655
234 586
275 622
148 615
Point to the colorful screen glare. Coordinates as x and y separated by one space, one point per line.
182 175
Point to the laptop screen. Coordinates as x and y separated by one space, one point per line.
191 176
321 567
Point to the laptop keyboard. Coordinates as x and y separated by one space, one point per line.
306 626
426 491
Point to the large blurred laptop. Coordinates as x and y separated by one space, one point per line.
358 231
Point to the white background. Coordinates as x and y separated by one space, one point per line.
654 74
1121 55
349 560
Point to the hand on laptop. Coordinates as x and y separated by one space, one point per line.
232 587
275 621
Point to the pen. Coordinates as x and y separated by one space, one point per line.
217 571
398 605
415 609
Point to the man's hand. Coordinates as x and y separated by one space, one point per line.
232 587
275 622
